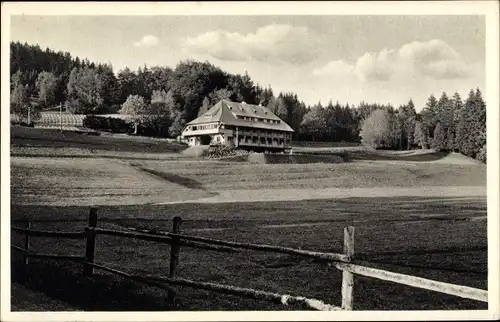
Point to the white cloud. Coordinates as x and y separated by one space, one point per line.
337 67
434 59
147 41
273 43
373 66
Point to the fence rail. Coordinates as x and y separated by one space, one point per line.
249 246
418 282
342 261
46 233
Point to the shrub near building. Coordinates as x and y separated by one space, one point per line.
106 124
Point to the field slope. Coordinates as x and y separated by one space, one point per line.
420 213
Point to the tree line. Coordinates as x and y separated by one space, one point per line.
447 124
163 100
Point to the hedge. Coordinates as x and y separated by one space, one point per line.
107 124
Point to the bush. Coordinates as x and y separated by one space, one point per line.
219 151
22 123
481 156
107 124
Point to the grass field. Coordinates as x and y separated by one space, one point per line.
420 213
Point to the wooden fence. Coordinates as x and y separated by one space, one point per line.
176 240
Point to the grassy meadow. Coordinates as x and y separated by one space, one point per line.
420 213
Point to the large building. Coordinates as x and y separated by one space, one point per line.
239 125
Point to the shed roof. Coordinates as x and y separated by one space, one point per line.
227 112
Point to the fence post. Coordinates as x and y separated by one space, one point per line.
27 225
88 269
174 254
348 277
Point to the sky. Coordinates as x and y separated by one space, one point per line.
385 59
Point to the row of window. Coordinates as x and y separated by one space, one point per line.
257 119
202 127
268 141
263 133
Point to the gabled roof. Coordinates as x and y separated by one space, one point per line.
227 112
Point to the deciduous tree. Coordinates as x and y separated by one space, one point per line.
19 101
85 91
135 108
314 122
376 130
46 85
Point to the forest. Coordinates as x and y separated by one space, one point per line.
161 100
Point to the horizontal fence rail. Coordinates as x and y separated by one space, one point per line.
47 256
268 248
225 289
130 276
342 261
161 239
248 292
419 282
133 235
54 234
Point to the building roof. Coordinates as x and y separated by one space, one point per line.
227 112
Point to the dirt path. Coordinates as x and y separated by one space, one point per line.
231 196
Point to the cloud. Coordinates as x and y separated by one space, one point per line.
434 59
373 67
338 67
147 41
273 43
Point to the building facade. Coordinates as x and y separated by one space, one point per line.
239 125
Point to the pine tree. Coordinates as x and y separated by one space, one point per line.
444 112
450 139
479 124
204 107
419 136
158 113
472 125
462 127
439 139
408 117
429 116
457 107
